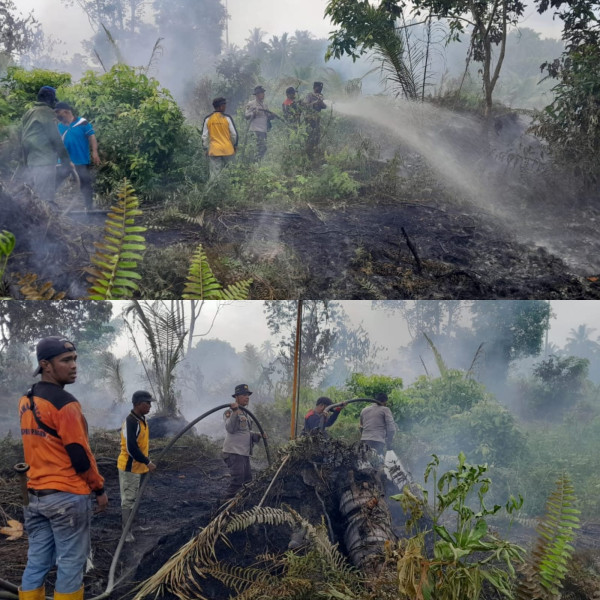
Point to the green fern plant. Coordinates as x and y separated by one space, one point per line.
544 571
7 245
202 284
113 273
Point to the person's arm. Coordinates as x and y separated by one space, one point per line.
232 423
390 427
51 130
94 149
232 131
205 141
251 111
72 429
131 435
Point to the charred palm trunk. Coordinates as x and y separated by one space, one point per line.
367 520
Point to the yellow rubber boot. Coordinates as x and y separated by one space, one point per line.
78 595
37 594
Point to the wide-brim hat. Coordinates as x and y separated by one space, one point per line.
49 347
242 390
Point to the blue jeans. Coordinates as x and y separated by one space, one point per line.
58 526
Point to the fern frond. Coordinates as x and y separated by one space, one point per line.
202 284
116 259
438 357
7 245
545 569
32 289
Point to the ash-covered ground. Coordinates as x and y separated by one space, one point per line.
340 251
185 494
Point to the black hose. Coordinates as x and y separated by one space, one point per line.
111 574
11 587
332 406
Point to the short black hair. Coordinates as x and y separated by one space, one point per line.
381 397
323 400
63 106
290 90
218 102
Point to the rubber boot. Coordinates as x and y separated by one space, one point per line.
125 512
78 595
37 594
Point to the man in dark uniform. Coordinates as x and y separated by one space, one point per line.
291 109
239 439
62 474
317 416
133 461
42 144
314 105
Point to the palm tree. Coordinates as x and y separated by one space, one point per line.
579 342
279 51
255 47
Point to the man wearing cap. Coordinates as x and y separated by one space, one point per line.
219 137
314 105
80 141
377 425
239 439
317 418
259 115
62 475
42 144
133 461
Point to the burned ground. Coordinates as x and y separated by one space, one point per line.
340 251
185 494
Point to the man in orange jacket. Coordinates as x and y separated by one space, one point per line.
62 474
219 137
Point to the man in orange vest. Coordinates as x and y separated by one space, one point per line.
62 475
219 138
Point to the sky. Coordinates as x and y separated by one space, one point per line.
70 24
243 322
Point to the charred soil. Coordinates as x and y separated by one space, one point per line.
388 248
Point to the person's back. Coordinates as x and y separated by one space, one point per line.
41 148
222 139
377 425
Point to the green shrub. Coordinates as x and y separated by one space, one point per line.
21 87
138 124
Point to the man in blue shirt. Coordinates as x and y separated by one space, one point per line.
80 141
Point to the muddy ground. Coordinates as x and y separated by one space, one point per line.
343 250
185 494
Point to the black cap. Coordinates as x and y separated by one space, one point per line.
318 84
323 400
241 390
141 396
63 106
258 89
290 90
50 347
47 94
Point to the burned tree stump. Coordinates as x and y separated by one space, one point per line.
322 499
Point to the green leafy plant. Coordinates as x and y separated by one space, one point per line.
7 245
139 123
115 260
203 285
545 570
466 555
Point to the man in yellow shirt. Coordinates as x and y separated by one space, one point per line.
219 137
133 462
